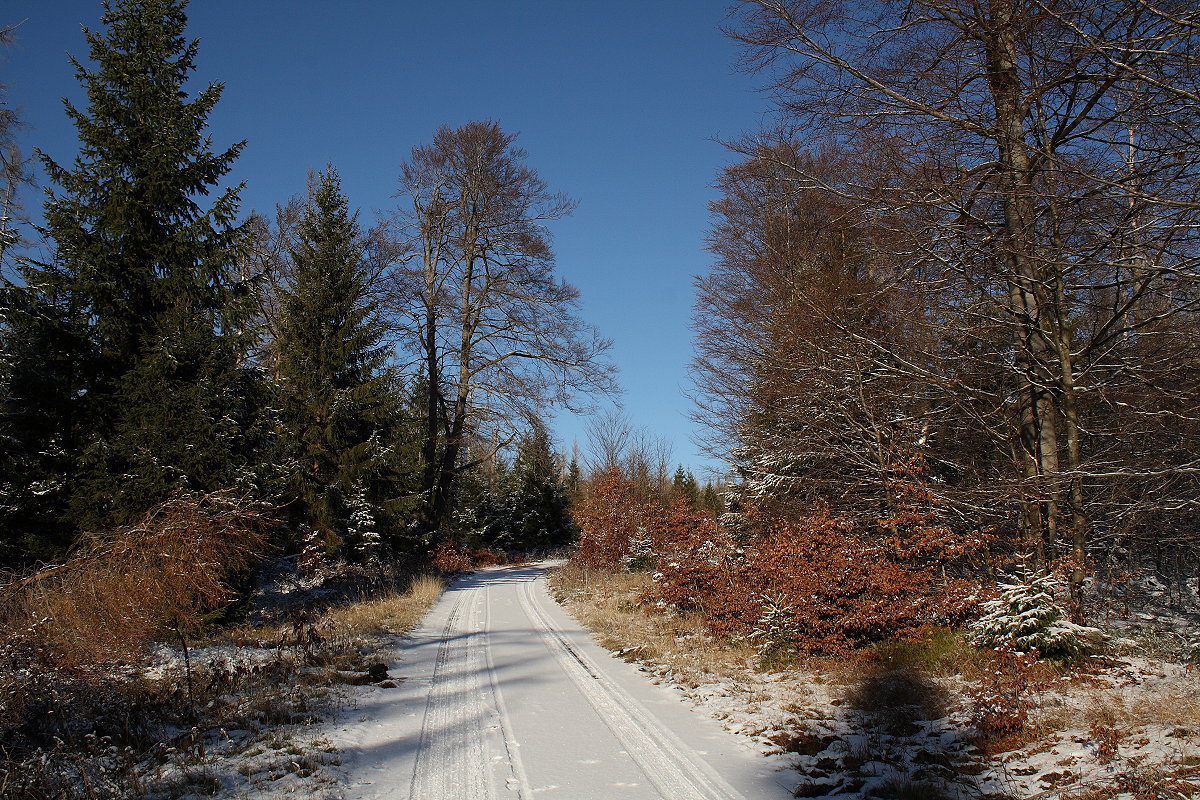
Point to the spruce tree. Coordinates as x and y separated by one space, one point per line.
685 486
574 478
138 298
539 512
341 414
42 377
1025 617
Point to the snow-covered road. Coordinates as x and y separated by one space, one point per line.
505 696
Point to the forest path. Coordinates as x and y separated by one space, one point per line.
506 696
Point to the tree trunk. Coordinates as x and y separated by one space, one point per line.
1038 431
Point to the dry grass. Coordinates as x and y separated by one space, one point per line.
395 613
607 603
893 698
1095 703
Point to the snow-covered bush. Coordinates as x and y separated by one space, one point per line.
1025 618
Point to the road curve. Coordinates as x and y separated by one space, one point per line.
505 696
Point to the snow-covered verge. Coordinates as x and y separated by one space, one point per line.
235 716
902 722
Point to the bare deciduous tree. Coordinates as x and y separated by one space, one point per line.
496 332
643 457
1037 163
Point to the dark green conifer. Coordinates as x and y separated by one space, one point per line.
42 377
711 500
574 479
685 487
539 508
139 293
340 409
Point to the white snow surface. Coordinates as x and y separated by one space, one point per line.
501 694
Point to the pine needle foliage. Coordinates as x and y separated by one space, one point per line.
1025 618
42 375
538 502
775 634
139 301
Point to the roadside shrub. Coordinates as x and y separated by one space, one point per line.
641 556
1003 697
611 518
844 590
775 636
104 604
455 556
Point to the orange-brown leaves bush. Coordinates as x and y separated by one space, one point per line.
610 518
792 583
454 556
841 589
1004 696
103 604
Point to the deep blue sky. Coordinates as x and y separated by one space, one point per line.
617 101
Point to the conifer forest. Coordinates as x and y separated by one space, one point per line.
946 346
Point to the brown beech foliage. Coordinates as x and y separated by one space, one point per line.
611 517
843 586
973 234
453 556
844 582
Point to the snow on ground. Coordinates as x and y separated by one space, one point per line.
271 742
1129 729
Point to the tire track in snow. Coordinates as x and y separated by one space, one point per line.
451 761
666 761
518 780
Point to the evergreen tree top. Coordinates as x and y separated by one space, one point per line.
139 125
330 321
536 458
133 241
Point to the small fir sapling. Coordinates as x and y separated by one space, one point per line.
363 530
775 635
312 549
640 557
1025 618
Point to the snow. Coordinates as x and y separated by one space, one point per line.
1132 723
503 689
